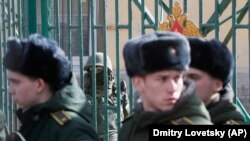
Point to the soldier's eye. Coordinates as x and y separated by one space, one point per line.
163 79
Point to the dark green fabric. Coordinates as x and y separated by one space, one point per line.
100 102
135 128
222 109
38 125
112 117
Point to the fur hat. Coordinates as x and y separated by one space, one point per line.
38 57
155 52
212 57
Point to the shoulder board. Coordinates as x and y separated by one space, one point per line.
232 122
182 121
61 117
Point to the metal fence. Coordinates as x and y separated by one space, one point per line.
83 27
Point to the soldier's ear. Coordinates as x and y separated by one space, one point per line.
40 85
218 85
138 83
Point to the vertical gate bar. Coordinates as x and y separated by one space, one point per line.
13 20
170 6
44 17
32 16
217 23
69 18
117 33
8 19
131 95
93 47
201 16
4 95
234 83
19 17
1 68
104 39
156 14
19 24
142 16
57 24
185 6
51 19
81 47
12 30
51 26
24 19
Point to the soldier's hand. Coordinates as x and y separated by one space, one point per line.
124 95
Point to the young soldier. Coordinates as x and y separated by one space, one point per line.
100 96
156 64
51 104
211 69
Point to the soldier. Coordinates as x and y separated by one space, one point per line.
156 63
211 69
112 95
3 127
51 104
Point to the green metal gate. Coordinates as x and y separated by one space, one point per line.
83 27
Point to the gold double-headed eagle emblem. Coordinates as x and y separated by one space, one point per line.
178 22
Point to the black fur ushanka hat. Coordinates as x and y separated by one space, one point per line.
212 57
38 57
155 52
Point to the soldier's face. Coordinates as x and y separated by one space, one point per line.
23 89
205 85
159 91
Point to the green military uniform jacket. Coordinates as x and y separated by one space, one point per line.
62 118
112 116
188 110
222 110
